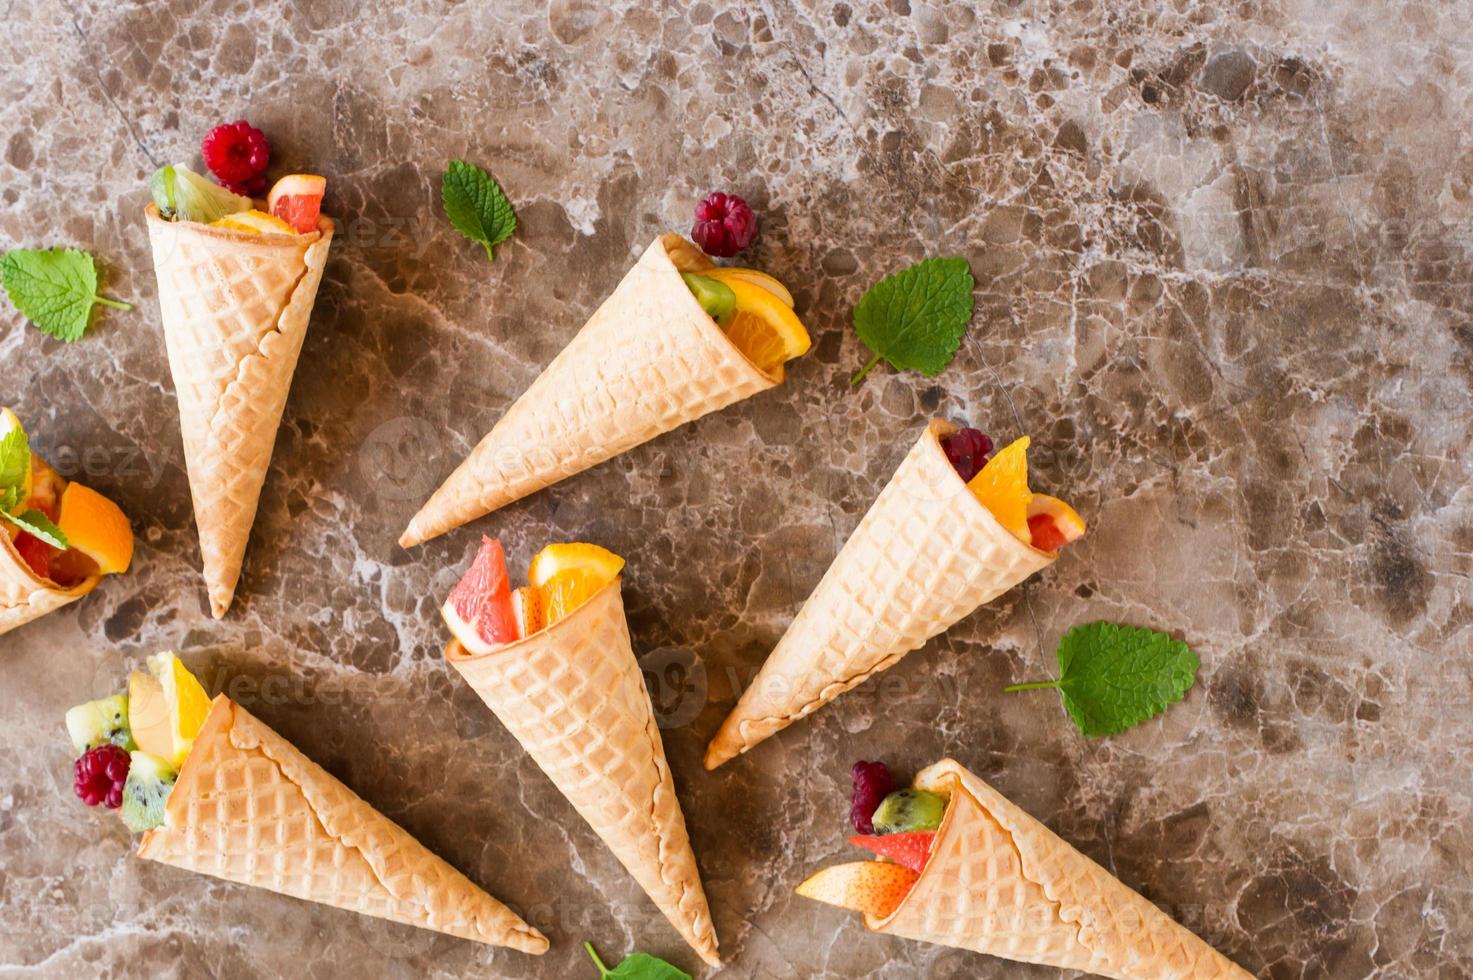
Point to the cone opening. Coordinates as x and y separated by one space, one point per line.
957 791
455 651
324 230
80 589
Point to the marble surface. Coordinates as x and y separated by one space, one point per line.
1224 281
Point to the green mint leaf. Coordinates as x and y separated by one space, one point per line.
15 460
476 205
640 966
54 288
916 317
1115 677
39 525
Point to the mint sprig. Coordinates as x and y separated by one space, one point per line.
1115 677
640 966
916 317
38 525
55 288
476 206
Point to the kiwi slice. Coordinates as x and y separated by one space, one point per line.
146 791
909 810
100 722
715 297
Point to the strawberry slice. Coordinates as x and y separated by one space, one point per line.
871 887
479 609
909 849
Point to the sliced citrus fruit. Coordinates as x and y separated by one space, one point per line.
96 527
148 715
727 274
297 200
1052 522
686 256
1002 487
479 609
872 887
188 704
255 222
526 605
765 329
567 575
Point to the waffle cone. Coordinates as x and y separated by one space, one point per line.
574 697
926 554
24 595
249 808
235 308
999 882
647 361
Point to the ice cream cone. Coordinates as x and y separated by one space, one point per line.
925 555
249 808
24 595
999 882
235 308
647 361
574 697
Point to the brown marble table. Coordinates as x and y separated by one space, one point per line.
1224 281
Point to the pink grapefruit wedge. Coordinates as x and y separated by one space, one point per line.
297 200
479 610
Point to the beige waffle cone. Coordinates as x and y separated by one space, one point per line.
24 595
573 695
235 308
925 555
999 882
647 361
249 808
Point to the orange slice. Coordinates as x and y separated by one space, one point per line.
188 704
96 527
1002 487
526 607
255 222
567 575
729 275
765 329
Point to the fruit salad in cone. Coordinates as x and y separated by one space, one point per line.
60 537
237 276
955 863
553 661
213 790
678 338
956 526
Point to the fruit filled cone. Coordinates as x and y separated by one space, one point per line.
573 695
235 307
24 595
249 808
648 360
926 554
999 882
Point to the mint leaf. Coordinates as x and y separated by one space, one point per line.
15 460
54 288
640 966
1115 677
476 205
39 525
916 317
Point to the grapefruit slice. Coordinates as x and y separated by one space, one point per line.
297 200
1053 523
479 609
872 887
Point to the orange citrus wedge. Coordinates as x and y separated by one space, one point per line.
765 329
96 527
1002 487
255 222
729 275
188 703
567 575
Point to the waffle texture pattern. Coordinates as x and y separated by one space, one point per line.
235 308
647 361
926 554
573 695
249 808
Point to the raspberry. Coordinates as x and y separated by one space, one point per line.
236 152
967 450
724 225
872 783
99 775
